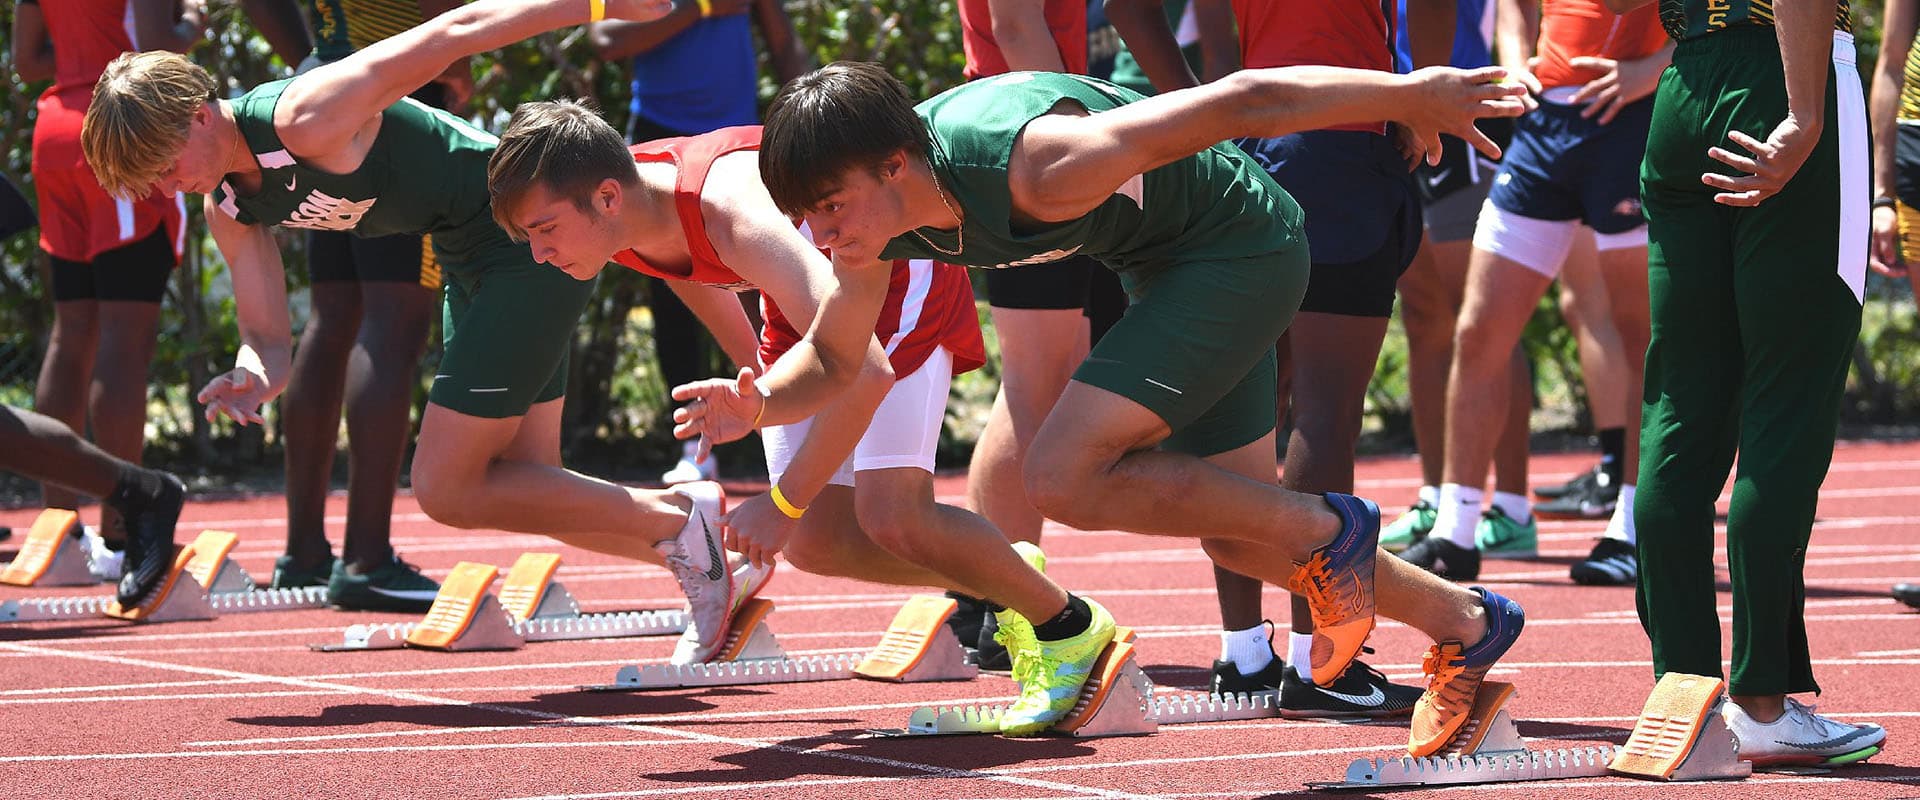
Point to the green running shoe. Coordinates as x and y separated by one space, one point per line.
288 575
1410 528
1050 674
1499 536
393 586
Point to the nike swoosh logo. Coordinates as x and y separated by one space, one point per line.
291 182
1373 697
1438 178
1834 742
716 563
406 594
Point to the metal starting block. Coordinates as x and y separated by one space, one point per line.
1488 749
52 554
917 647
531 607
1117 700
1681 735
203 583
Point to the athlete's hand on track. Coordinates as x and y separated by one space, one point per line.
239 394
757 529
1624 82
718 410
1883 253
639 10
1772 163
1449 100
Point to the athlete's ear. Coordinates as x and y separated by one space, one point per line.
609 196
892 166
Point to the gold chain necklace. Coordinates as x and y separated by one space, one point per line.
960 231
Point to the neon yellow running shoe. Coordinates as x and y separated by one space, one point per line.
1050 674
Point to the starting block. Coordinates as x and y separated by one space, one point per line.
918 647
1117 700
1488 749
203 583
531 607
1681 735
52 554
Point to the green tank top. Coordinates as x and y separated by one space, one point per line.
343 26
1215 205
425 174
1689 19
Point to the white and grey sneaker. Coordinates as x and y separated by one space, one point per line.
699 562
1801 737
106 564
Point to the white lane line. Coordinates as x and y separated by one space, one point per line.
695 736
328 751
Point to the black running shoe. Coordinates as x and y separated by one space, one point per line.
965 622
1613 562
1361 691
1907 593
149 519
1228 680
1595 500
1440 556
1579 483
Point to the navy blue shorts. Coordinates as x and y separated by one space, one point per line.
1363 214
1561 166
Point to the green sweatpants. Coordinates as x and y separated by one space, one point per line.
1755 312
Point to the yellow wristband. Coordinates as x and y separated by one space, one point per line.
706 10
786 507
598 10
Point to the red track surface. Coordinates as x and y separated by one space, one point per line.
238 707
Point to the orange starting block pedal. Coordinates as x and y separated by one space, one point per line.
917 647
179 596
1681 735
465 615
536 608
205 584
1487 749
52 554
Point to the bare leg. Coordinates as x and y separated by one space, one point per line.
1500 298
118 398
896 510
1585 303
1430 297
1625 273
61 393
379 398
1039 349
40 447
310 416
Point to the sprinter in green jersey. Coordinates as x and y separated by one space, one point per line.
341 148
1168 426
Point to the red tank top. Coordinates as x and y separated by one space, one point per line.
1066 20
1573 28
1328 33
929 304
86 35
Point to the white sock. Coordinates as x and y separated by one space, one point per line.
1459 514
1249 650
1621 525
1300 652
1517 507
1430 495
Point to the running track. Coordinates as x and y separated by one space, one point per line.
238 707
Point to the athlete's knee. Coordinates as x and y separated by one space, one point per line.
818 552
897 526
444 494
1061 490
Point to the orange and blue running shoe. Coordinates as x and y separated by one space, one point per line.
1337 582
1455 672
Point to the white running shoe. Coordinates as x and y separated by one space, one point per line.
105 564
699 562
749 580
1800 736
689 470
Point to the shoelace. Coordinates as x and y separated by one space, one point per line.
1442 668
1326 599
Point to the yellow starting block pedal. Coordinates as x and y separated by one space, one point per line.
52 554
537 607
1117 700
1488 749
917 647
465 615
1681 735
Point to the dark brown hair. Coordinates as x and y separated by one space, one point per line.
846 115
562 145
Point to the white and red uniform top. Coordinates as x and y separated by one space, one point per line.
929 304
1327 33
78 220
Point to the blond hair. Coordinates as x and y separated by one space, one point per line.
136 125
562 145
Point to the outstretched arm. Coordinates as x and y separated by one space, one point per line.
321 111
279 21
1143 26
261 369
1064 164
